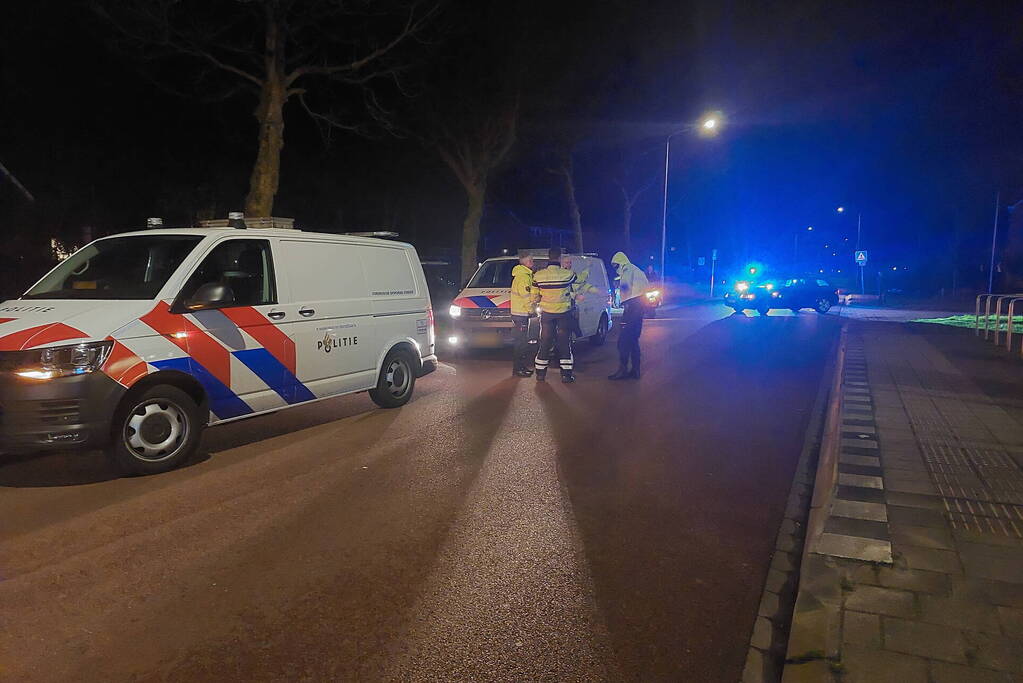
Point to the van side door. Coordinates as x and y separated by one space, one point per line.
329 315
237 349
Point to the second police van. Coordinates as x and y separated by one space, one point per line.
481 313
138 341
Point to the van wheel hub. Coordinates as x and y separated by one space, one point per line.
397 377
155 430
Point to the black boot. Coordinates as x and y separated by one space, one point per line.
541 375
621 373
634 373
567 376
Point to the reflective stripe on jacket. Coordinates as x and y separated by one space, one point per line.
523 294
555 286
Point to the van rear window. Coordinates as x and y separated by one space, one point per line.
134 267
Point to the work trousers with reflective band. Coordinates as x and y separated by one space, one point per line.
632 327
521 353
555 328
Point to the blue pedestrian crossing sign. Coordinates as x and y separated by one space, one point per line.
861 258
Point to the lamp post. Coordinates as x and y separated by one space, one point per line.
708 126
859 231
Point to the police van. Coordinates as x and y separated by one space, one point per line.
481 313
138 341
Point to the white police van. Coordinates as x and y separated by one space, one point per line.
138 341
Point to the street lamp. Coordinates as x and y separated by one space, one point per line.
709 125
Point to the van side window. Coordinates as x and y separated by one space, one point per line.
243 265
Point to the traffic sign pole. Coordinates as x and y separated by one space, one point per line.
713 262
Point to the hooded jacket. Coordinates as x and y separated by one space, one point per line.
523 294
633 281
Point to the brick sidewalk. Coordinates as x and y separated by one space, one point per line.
933 468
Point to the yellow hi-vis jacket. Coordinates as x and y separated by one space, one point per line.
523 294
555 286
633 280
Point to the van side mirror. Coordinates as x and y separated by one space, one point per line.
211 295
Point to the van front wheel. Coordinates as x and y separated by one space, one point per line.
397 380
155 431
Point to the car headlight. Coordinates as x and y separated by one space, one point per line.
63 361
741 286
455 311
653 295
775 294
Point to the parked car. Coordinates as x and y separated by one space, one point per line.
793 293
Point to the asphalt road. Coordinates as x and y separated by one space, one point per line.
492 529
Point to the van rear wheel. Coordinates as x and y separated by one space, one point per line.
397 380
155 431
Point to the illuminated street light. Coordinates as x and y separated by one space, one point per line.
840 209
810 228
708 126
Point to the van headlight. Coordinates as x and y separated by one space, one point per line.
455 311
62 361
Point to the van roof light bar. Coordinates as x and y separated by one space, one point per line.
381 234
236 219
154 222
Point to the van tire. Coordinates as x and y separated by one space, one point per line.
155 431
600 337
396 381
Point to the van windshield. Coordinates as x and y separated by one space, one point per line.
498 273
134 267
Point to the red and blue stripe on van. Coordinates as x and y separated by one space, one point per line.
484 301
209 361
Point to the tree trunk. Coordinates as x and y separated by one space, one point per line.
266 172
471 228
573 206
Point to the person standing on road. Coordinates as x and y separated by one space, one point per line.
523 307
554 284
633 286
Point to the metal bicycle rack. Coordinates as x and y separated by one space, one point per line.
996 299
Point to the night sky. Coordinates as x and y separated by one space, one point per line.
907 112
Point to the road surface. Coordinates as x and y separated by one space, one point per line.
492 529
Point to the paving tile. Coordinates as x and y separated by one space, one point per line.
866 665
916 580
860 628
763 633
909 485
852 547
784 562
996 652
917 500
970 615
943 672
855 509
1012 621
926 640
994 592
991 562
920 517
931 559
879 600
861 480
922 536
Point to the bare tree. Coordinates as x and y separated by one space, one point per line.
472 147
278 51
564 168
629 199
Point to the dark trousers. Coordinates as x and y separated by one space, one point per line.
632 327
520 358
555 328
